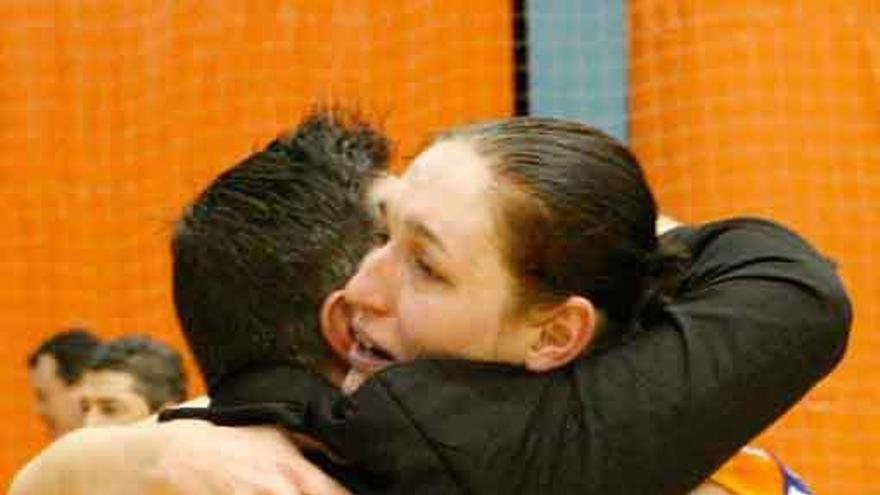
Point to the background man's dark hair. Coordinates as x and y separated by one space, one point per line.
72 350
156 368
257 252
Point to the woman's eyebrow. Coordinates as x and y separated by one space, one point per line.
423 231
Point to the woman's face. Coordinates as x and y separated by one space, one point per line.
438 287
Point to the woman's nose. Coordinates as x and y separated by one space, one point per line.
372 287
93 417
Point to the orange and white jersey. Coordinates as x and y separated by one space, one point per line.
755 471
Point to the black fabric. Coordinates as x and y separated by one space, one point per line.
357 481
275 394
760 318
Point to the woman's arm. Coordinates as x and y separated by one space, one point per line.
759 319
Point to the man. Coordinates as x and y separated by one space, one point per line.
129 379
56 367
257 251
255 256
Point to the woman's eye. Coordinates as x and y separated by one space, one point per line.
428 271
380 236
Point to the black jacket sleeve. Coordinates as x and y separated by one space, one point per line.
759 319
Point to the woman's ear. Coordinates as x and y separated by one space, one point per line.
334 324
563 335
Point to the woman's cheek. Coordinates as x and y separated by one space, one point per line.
421 325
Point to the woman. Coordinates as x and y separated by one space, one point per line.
529 242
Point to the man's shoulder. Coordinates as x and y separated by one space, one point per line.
148 458
177 457
72 463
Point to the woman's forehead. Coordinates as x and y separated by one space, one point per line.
445 192
444 154
449 167
382 190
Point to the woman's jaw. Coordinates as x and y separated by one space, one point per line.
365 358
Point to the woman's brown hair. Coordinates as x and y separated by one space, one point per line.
577 216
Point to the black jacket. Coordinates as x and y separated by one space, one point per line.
759 319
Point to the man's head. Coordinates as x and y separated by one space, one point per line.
56 367
130 378
258 251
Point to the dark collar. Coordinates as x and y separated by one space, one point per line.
276 394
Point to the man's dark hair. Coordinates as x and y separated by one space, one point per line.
72 350
156 368
257 252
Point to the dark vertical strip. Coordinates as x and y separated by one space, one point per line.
578 65
520 58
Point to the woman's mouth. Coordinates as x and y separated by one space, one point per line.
366 355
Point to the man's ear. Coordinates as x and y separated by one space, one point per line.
563 334
335 324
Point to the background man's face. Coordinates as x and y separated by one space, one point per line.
110 398
57 403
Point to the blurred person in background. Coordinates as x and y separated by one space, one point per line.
129 379
56 367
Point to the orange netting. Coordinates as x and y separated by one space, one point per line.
114 112
771 108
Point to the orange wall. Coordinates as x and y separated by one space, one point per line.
773 108
113 113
